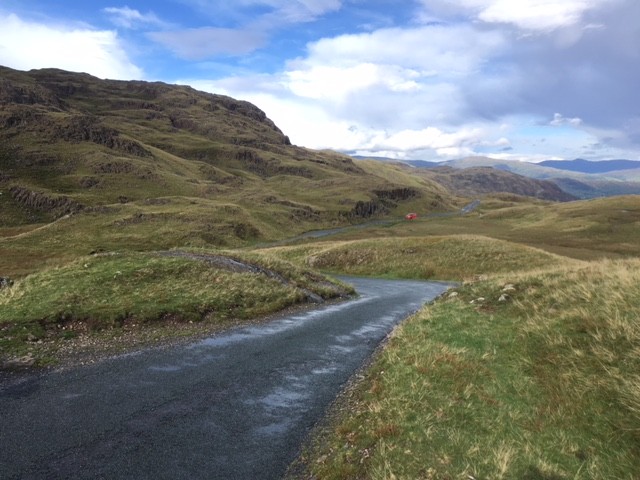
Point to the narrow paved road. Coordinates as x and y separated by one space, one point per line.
235 406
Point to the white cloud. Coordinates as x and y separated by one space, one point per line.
297 11
336 84
532 15
392 78
429 138
536 14
378 91
25 45
130 18
253 30
432 50
559 120
201 43
281 12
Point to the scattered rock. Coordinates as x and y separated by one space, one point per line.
509 287
453 295
20 362
5 282
503 298
477 300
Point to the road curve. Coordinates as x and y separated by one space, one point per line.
234 406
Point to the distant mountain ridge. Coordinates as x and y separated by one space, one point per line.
480 180
604 178
589 166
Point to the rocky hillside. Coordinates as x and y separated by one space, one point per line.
74 144
478 181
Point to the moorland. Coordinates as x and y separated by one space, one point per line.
134 207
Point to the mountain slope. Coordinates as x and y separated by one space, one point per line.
484 180
70 141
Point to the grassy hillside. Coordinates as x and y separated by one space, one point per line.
541 385
71 143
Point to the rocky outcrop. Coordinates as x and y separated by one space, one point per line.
382 203
58 206
255 163
397 194
84 128
12 94
367 209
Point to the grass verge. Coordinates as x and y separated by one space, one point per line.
116 290
455 257
542 385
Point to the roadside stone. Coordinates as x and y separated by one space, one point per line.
5 282
453 295
20 362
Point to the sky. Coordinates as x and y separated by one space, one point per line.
413 79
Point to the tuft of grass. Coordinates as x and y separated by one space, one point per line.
544 385
110 291
456 257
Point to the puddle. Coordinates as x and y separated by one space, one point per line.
274 429
324 370
341 349
282 398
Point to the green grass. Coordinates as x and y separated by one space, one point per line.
542 386
155 224
456 257
109 291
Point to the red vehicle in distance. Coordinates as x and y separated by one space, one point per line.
411 216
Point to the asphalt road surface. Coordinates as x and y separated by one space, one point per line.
235 406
